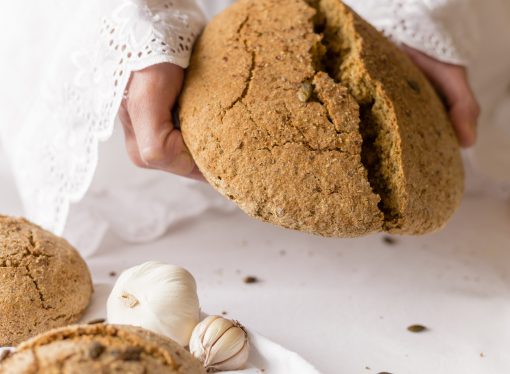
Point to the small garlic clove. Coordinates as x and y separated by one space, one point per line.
220 344
234 363
228 345
195 344
214 331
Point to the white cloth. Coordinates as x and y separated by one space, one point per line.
60 108
445 29
75 83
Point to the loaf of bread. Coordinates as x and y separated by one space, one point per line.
308 118
44 283
86 349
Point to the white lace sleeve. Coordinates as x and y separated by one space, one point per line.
444 29
55 151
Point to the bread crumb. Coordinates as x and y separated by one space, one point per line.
251 279
389 240
96 321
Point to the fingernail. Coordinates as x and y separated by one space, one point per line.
183 164
471 136
197 174
474 129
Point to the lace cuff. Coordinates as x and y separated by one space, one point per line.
444 29
54 154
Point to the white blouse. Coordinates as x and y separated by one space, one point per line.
66 66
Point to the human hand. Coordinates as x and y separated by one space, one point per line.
151 139
452 82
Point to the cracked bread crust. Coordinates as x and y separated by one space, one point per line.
44 283
281 160
422 166
299 164
84 349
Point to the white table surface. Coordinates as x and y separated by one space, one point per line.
344 305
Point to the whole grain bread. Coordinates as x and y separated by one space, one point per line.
308 118
100 348
44 283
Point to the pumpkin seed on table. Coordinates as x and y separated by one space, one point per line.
417 328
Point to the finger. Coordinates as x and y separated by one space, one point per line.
464 122
129 137
152 94
464 126
197 175
452 81
463 107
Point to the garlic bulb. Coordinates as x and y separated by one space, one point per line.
156 296
220 344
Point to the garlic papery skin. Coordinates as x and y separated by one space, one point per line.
158 297
220 344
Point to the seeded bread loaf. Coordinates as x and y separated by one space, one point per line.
308 118
100 349
44 283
